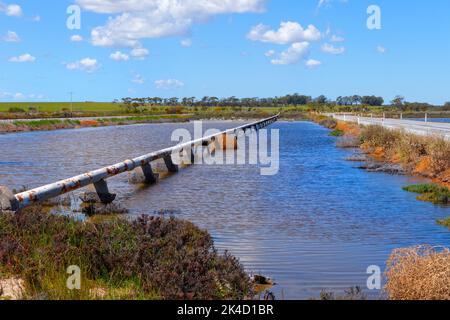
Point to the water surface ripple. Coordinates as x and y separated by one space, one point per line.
316 225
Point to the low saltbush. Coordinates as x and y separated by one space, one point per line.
149 258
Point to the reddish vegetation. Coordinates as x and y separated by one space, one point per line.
350 129
89 123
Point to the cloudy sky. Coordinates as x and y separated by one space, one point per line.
222 48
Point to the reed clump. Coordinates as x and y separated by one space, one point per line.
418 273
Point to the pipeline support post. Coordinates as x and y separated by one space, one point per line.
144 174
171 167
193 150
228 141
101 187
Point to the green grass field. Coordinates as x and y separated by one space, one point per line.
109 108
59 106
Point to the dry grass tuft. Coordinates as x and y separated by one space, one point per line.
379 137
418 273
439 151
427 156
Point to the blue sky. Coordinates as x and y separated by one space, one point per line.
246 48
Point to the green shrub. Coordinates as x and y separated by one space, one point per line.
16 110
444 222
430 193
337 133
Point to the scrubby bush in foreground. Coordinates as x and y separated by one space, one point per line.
149 258
419 273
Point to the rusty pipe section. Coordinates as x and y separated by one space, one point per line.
56 189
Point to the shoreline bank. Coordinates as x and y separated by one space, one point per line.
422 156
17 126
59 124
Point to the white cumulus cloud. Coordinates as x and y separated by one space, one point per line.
87 64
336 38
119 56
20 96
312 63
139 53
329 48
270 53
327 3
11 95
169 84
296 52
289 32
381 49
141 19
26 57
138 79
186 43
11 10
76 38
11 36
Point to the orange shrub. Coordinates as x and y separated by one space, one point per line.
351 129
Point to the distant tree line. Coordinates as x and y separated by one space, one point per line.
355 102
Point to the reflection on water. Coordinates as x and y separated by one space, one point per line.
316 225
